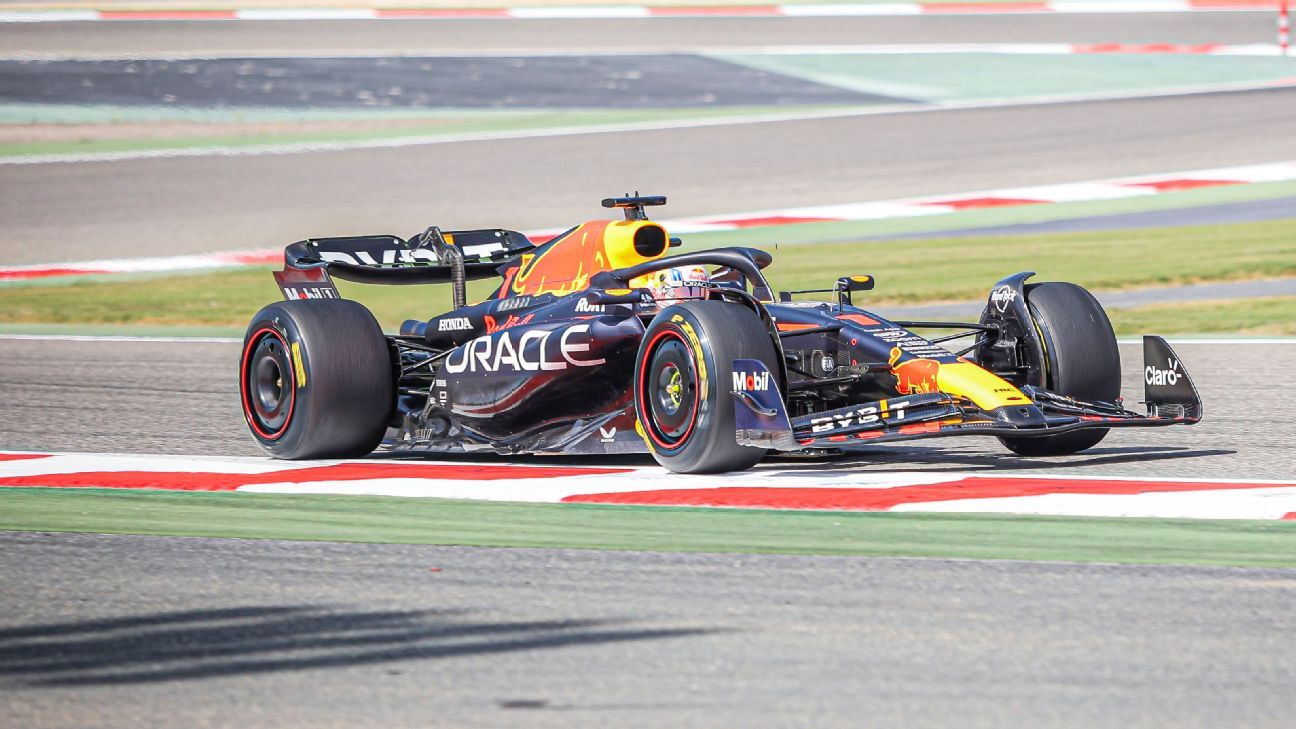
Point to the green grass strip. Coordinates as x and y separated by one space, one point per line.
948 77
963 268
1274 315
491 524
951 269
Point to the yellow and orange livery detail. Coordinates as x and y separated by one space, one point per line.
564 266
963 379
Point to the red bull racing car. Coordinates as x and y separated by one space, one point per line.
601 341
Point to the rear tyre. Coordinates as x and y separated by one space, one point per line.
682 377
1081 360
316 379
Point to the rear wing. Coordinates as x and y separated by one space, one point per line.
430 257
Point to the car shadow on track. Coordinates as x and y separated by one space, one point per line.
628 460
201 644
892 458
918 458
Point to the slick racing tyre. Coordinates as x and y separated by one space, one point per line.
682 378
316 379
1081 360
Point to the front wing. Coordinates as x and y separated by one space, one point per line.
761 418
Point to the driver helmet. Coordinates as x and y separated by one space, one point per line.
674 284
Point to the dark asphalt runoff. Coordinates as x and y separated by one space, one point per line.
389 37
118 631
666 81
182 398
156 207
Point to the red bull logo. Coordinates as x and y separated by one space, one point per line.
915 376
492 325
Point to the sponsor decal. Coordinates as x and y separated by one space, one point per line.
699 355
454 324
862 416
910 343
388 257
674 284
531 351
751 381
1153 375
310 292
606 435
585 306
1002 297
492 325
915 376
297 364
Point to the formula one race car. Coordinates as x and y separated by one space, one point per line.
597 341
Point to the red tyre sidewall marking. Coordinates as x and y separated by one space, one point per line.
649 428
243 377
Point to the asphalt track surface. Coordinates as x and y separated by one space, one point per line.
112 631
154 207
182 398
666 81
438 36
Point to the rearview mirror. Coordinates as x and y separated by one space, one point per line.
847 284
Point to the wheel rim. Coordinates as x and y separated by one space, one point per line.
269 392
670 391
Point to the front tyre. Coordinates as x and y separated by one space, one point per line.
1081 360
316 379
681 387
